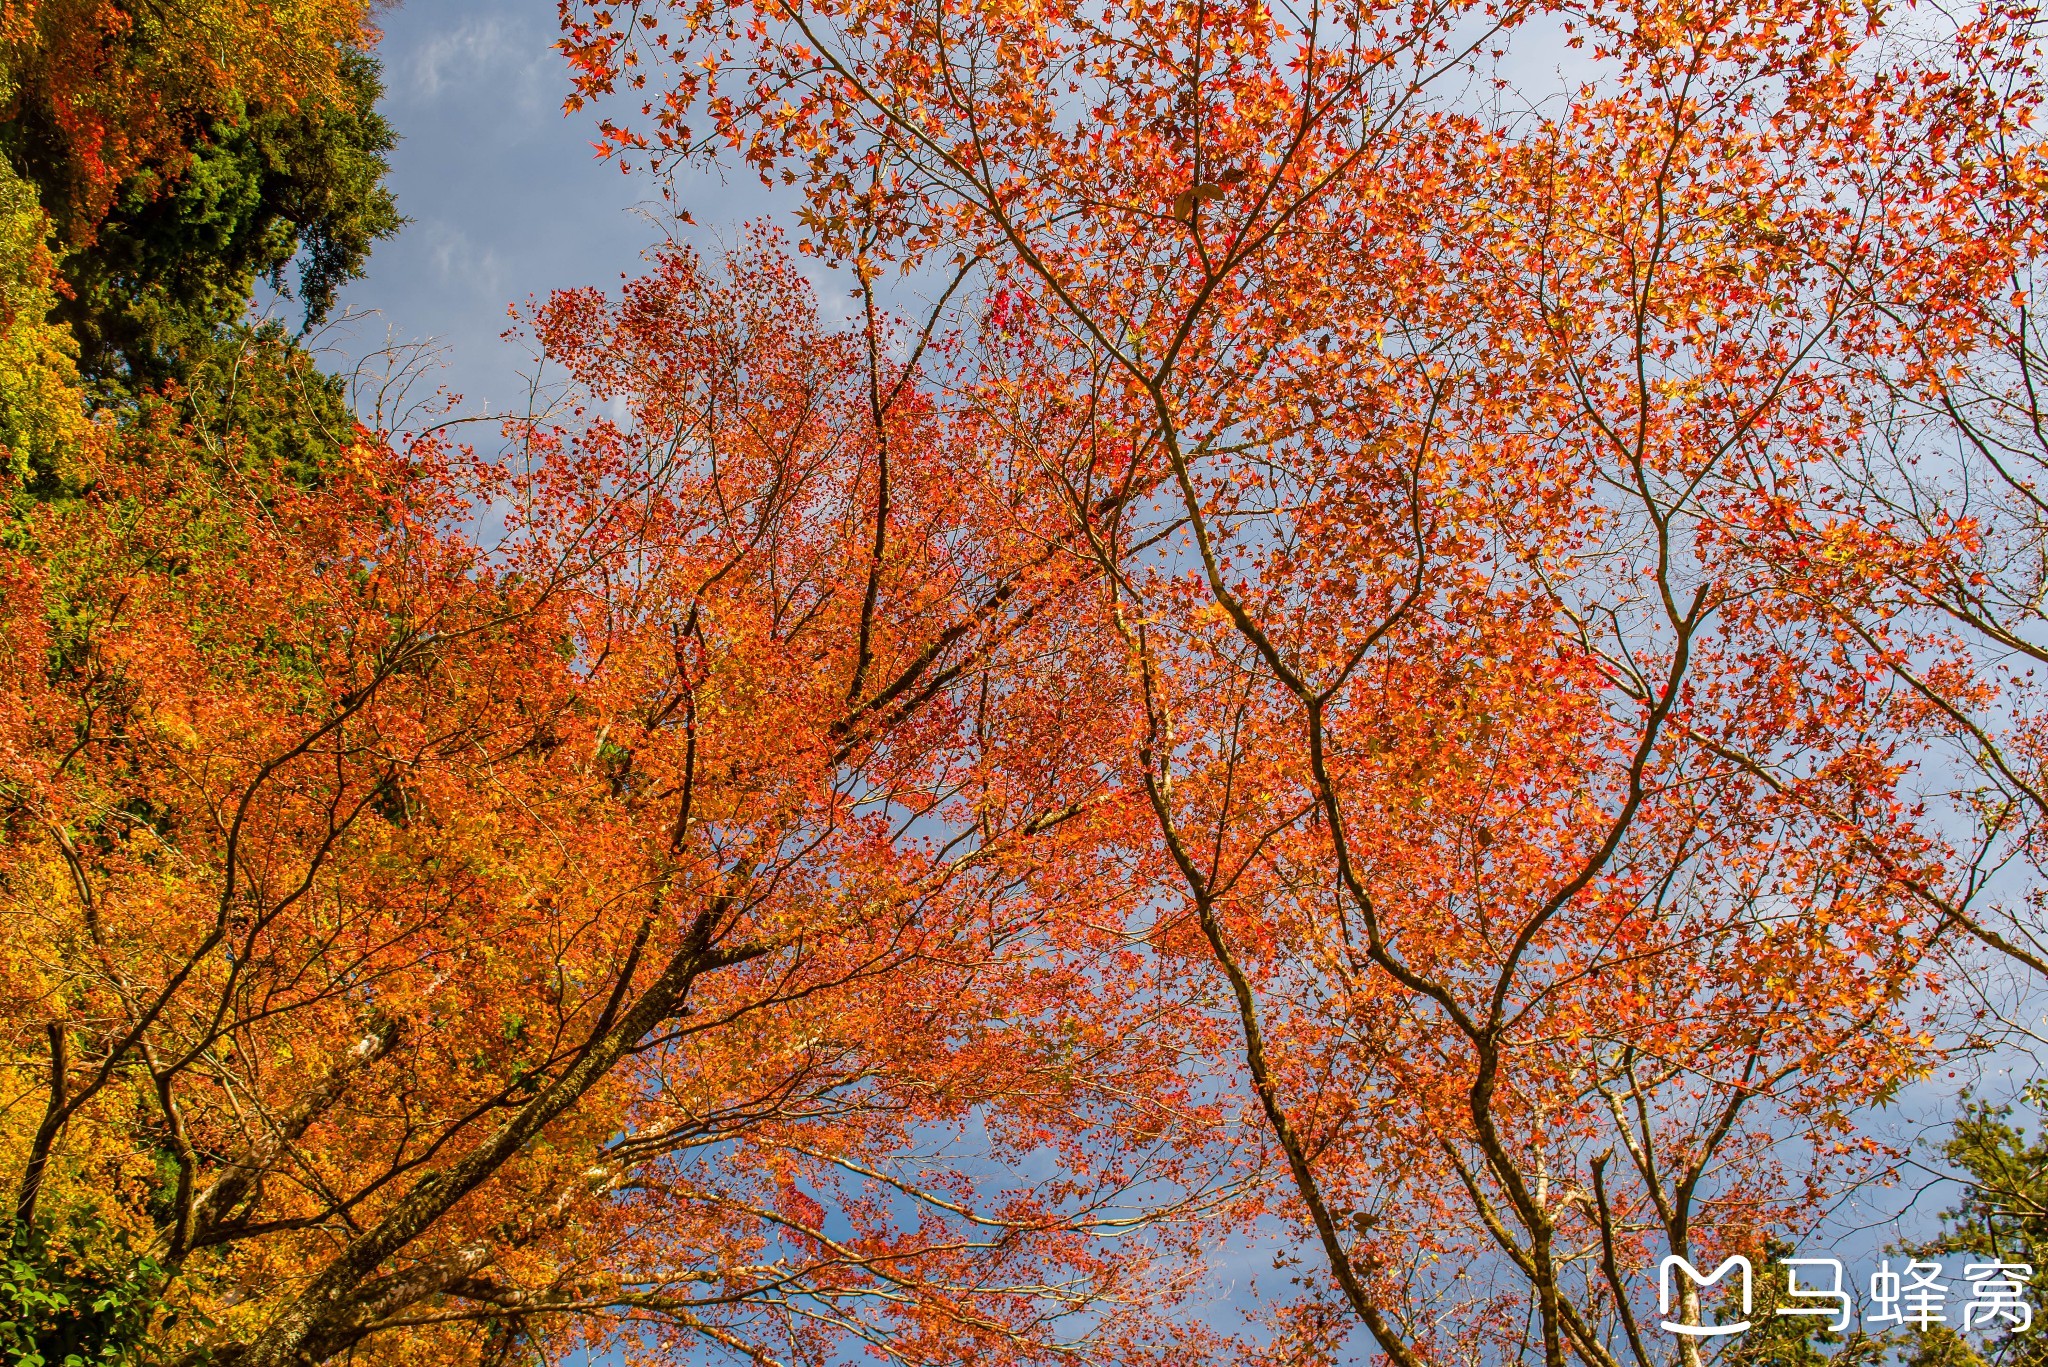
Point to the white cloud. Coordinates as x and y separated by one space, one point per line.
461 263
487 58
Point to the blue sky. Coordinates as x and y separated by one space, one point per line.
505 195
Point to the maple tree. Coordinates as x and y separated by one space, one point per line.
616 933
1945 502
42 406
1464 491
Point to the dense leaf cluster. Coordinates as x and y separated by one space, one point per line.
132 242
171 270
156 164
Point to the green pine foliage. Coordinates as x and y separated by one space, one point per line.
296 199
147 325
2002 1217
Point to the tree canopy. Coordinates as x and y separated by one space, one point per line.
1442 680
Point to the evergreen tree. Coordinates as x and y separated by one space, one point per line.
2002 1217
171 271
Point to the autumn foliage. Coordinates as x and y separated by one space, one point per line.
1528 700
1357 661
566 923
